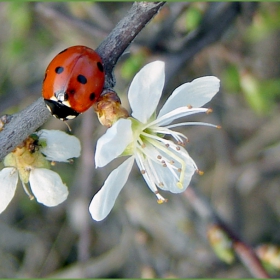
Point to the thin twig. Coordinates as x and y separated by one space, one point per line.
101 266
123 34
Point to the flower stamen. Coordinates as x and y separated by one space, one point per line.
179 137
157 145
191 123
175 114
160 198
13 171
26 190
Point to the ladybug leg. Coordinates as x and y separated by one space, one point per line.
68 126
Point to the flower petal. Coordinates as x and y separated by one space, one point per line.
8 181
103 202
196 93
47 187
60 146
145 90
113 142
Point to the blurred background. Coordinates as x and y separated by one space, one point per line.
241 161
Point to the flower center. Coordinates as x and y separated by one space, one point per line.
165 156
154 152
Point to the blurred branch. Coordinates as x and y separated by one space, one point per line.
54 19
243 250
216 21
27 121
103 265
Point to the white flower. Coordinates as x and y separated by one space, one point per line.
29 162
163 163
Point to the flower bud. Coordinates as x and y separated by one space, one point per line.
269 254
109 108
221 243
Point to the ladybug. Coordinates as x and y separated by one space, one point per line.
73 82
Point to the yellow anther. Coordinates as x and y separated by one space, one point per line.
199 172
160 201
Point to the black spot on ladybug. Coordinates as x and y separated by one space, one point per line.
63 51
71 91
92 96
82 79
66 97
59 70
100 66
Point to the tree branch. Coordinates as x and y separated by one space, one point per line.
21 125
123 34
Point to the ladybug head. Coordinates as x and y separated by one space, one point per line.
60 111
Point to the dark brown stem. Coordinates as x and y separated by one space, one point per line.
250 259
24 123
243 250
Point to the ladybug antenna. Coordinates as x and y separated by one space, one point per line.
68 126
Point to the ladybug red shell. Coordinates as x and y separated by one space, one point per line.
73 82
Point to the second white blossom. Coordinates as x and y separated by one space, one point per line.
29 162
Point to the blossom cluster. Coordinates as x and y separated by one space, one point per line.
30 162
